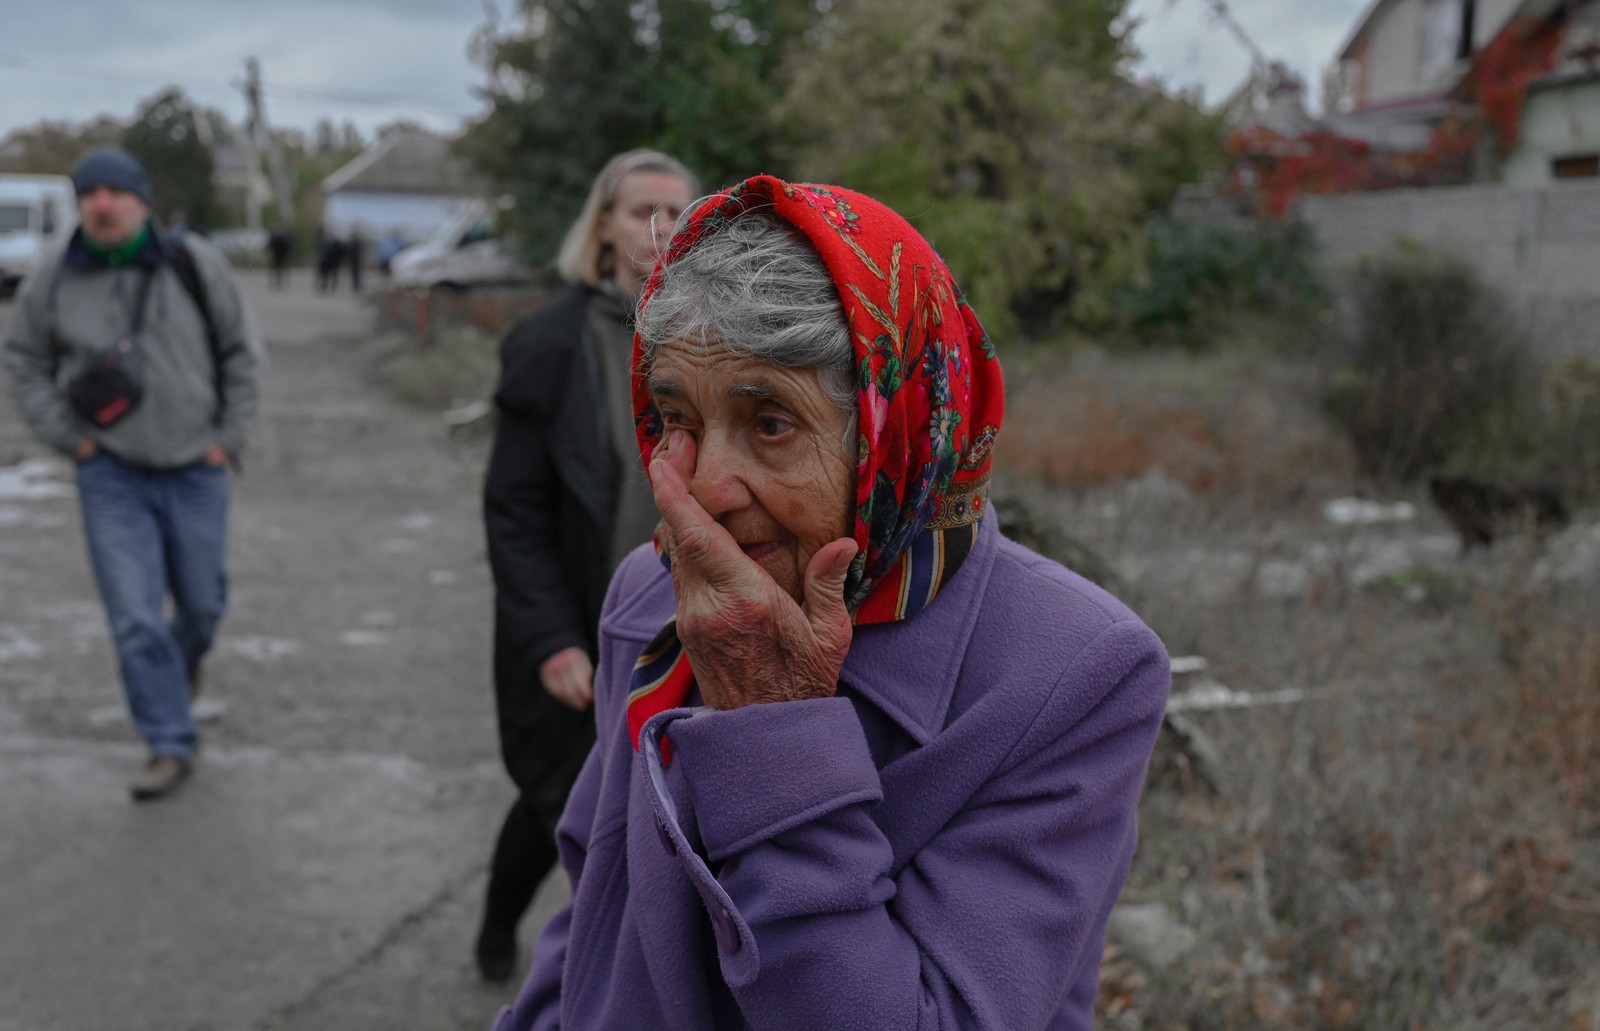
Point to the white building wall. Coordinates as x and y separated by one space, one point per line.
415 216
1394 55
1556 123
1410 44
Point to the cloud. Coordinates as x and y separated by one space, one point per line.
1182 44
367 61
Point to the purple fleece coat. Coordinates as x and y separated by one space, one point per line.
937 846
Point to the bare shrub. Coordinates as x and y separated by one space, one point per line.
1435 369
1572 440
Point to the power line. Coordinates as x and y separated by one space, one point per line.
331 93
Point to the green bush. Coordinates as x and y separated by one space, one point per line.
1434 370
1200 279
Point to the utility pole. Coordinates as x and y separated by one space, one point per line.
258 138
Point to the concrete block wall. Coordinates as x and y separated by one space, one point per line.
1542 246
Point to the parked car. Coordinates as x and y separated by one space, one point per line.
466 252
36 213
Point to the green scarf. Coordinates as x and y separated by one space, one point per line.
123 252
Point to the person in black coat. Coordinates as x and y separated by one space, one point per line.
564 501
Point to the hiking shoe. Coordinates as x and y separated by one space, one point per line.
159 777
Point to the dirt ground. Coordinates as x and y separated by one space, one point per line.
323 868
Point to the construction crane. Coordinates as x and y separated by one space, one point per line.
1218 9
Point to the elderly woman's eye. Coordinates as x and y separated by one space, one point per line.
772 425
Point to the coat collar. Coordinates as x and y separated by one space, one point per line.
908 669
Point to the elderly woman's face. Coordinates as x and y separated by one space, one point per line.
771 462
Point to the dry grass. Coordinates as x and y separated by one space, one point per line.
1417 845
1216 424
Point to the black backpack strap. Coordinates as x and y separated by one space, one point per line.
182 262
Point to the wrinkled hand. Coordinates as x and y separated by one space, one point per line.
215 455
569 677
748 640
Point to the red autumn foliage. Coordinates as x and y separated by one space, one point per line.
1276 169
1525 50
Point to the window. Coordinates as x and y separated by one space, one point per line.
1576 166
47 222
13 218
1447 28
479 231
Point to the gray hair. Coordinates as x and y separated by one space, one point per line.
754 284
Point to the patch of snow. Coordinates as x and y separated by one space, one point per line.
15 645
258 649
33 480
1361 512
416 522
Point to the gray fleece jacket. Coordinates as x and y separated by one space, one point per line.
187 406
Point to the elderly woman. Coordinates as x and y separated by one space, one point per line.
863 763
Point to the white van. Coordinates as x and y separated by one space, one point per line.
465 252
36 213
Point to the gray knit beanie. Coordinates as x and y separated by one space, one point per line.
113 167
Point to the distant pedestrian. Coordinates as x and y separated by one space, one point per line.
330 255
564 500
353 252
279 244
152 437
392 243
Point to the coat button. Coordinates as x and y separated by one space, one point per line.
727 932
666 839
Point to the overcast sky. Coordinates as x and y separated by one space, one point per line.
371 61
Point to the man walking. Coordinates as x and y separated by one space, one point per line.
152 437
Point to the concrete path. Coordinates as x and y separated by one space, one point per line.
323 868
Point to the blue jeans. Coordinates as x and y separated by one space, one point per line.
155 536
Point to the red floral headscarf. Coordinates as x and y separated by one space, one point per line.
930 394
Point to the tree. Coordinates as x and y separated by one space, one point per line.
163 135
574 81
1006 132
54 147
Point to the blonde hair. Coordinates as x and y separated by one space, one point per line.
583 258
